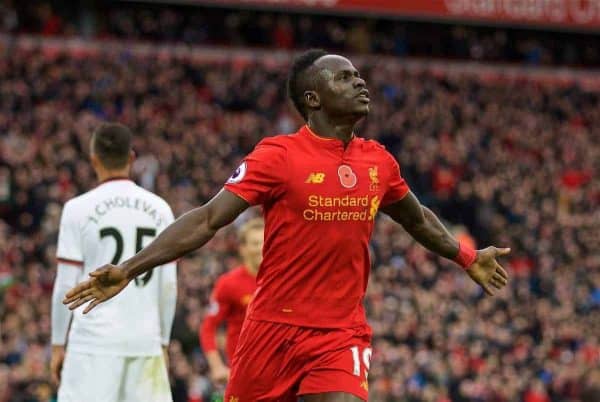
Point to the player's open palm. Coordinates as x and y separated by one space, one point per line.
487 272
103 284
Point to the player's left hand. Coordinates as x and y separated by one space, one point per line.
103 284
56 362
487 272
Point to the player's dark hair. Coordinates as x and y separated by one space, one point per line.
296 83
111 142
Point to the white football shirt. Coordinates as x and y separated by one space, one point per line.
109 224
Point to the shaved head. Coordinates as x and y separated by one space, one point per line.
330 62
111 143
302 78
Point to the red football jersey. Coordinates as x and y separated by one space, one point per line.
320 200
230 298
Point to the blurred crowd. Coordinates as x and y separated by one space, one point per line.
256 28
513 163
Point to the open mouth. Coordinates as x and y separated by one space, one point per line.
364 96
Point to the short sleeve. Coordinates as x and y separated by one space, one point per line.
215 314
261 176
396 186
220 301
220 294
69 237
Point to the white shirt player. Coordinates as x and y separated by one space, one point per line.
109 224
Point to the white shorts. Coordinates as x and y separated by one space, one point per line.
99 378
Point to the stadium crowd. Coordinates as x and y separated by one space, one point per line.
509 162
258 28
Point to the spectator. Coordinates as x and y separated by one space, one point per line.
256 28
497 155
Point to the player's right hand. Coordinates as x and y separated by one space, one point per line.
103 284
56 362
220 374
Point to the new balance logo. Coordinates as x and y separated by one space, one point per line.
315 178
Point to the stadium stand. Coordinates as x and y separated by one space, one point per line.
263 29
510 153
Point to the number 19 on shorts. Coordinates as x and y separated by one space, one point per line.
364 357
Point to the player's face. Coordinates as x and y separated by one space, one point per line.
342 92
251 249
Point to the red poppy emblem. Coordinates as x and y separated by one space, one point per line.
347 176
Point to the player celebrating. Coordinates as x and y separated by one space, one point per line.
115 353
231 295
305 332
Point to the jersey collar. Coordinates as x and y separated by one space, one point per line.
323 141
116 178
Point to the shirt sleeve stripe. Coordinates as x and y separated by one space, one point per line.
238 192
398 199
70 262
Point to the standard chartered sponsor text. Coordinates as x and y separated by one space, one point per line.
319 208
345 201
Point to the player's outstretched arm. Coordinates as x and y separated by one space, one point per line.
191 231
422 224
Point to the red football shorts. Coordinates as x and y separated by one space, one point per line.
277 362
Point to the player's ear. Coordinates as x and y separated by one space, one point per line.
132 156
312 99
94 160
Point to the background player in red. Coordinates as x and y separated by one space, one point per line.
230 298
305 333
